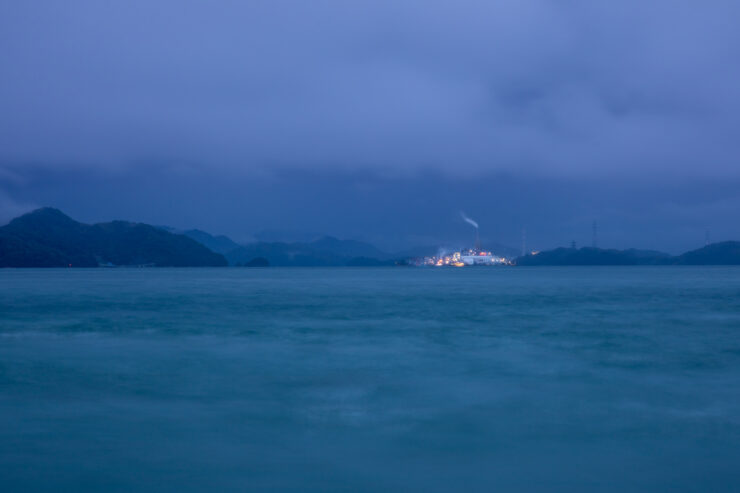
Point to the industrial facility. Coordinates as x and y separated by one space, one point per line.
471 257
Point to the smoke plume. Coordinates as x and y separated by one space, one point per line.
468 220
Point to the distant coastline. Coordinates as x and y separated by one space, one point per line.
48 238
722 253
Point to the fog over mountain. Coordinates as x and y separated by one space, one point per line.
378 121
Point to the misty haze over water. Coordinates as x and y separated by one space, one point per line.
527 379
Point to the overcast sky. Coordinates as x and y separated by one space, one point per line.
379 120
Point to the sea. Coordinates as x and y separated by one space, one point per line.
513 379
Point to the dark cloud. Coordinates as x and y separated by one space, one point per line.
635 100
558 87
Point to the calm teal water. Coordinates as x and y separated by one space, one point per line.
511 379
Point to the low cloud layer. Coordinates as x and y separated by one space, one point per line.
397 213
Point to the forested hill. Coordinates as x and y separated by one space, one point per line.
724 253
49 238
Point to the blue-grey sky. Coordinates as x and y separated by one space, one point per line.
378 120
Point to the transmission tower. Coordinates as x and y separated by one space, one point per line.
593 234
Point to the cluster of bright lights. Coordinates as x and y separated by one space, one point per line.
464 258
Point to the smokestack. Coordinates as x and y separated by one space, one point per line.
524 241
477 239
